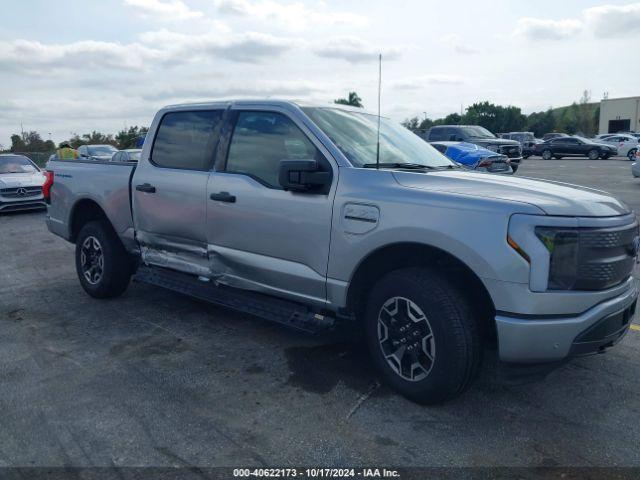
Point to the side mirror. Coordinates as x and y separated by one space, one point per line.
302 175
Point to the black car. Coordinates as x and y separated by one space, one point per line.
574 146
480 136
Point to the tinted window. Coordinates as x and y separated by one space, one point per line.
438 134
187 140
441 148
261 140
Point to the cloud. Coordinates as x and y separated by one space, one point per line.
247 47
354 50
295 15
547 29
417 83
458 44
26 55
608 21
189 91
165 10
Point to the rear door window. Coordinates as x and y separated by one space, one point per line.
187 140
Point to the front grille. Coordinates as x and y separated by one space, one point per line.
20 192
605 256
511 151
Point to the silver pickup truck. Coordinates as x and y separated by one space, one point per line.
305 215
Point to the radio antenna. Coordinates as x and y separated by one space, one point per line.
379 90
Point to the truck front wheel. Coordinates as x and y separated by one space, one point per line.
421 335
103 265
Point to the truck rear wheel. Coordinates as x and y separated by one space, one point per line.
103 265
421 335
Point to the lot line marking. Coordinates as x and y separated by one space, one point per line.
635 327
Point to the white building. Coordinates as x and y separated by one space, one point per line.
620 115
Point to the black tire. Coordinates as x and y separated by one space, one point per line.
632 154
454 340
593 154
109 277
547 154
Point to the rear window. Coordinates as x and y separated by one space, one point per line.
440 134
187 140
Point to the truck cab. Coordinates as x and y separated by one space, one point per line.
321 215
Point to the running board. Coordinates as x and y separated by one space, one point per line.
277 310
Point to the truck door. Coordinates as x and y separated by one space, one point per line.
261 237
169 190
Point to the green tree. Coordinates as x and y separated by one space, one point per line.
127 137
495 118
93 138
30 142
410 123
541 122
568 122
352 99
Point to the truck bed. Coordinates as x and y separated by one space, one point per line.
107 184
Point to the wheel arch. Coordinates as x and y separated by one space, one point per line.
85 210
410 254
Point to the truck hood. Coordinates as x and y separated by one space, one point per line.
554 198
13 180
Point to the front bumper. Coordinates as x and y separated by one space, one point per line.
544 339
18 205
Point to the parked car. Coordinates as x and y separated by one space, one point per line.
602 136
431 261
20 184
474 157
128 155
574 146
100 153
549 136
526 139
627 145
479 136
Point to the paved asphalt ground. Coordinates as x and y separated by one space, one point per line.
158 379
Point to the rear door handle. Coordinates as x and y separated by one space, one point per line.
145 187
223 197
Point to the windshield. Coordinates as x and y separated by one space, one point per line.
355 134
101 150
16 164
477 132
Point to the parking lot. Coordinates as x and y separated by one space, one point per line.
158 379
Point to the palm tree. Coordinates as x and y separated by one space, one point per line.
352 99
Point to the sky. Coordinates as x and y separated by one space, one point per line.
76 66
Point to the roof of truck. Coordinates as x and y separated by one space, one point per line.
268 101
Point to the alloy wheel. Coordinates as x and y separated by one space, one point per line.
406 339
92 260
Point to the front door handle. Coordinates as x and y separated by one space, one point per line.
223 197
145 187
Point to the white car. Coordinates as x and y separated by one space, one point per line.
627 144
20 184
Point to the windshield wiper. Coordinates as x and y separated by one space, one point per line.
408 166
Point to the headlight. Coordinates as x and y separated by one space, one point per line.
562 244
493 148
